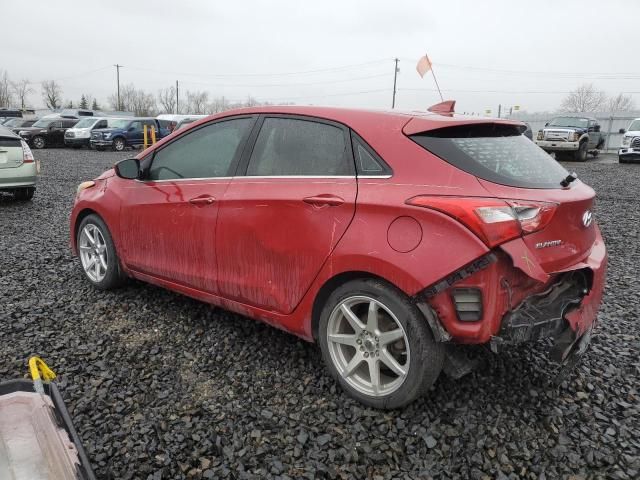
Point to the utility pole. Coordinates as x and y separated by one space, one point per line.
395 77
118 80
177 104
499 109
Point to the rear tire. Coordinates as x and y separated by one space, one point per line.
39 142
24 194
390 357
97 254
581 154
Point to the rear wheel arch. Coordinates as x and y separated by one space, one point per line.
331 285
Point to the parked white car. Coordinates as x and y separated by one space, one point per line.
80 134
630 148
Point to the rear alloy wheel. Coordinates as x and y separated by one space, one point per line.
377 344
118 144
38 142
97 253
581 153
24 194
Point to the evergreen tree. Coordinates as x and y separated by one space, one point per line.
94 105
83 102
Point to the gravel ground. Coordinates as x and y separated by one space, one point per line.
161 386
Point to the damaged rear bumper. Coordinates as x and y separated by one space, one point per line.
519 301
566 311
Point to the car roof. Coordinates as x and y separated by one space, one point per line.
410 122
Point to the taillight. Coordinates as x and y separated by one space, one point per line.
493 220
27 155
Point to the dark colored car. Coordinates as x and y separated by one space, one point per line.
387 238
47 132
127 133
16 124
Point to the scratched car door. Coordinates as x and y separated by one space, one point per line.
279 223
169 217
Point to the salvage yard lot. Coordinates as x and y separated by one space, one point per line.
161 386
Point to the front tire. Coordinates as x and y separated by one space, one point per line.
39 142
119 144
97 254
621 159
377 344
581 153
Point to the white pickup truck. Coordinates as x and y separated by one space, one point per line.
574 136
630 148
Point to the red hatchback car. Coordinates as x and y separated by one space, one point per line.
388 238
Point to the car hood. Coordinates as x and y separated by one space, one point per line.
31 129
632 133
106 130
565 129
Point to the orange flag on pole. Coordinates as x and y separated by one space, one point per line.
423 66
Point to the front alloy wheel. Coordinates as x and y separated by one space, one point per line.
38 142
98 254
118 144
93 253
377 344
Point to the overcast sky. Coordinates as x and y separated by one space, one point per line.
481 50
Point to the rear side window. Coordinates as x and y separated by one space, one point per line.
287 146
207 152
494 152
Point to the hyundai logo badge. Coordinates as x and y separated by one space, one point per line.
587 218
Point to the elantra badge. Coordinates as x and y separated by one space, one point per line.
549 243
587 218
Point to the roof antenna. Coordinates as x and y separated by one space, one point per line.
446 107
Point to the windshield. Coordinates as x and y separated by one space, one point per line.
86 123
117 123
635 126
44 122
569 122
493 152
14 122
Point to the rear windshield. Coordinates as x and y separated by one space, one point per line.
494 152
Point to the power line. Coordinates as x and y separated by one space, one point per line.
281 74
325 82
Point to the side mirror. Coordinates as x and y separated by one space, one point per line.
546 124
622 130
596 128
129 168
131 129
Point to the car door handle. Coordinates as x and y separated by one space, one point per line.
202 200
324 200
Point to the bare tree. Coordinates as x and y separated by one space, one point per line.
167 100
52 94
621 103
6 93
137 101
197 102
22 89
585 98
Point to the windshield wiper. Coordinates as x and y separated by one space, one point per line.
572 177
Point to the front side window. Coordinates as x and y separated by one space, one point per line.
207 152
294 147
135 126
